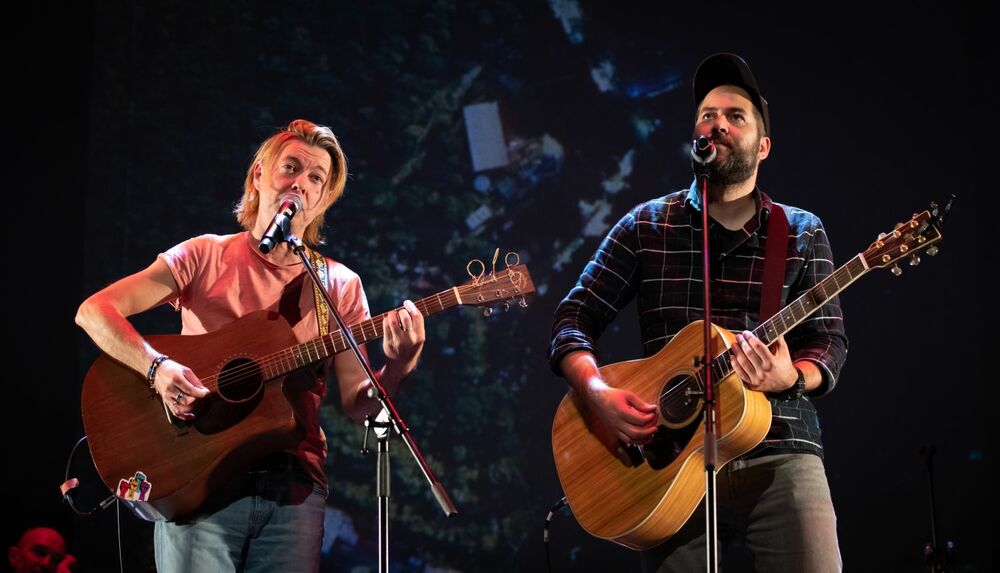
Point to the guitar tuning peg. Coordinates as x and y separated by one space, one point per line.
522 303
914 260
896 271
932 250
882 236
506 304
488 311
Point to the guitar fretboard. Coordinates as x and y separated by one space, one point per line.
797 311
318 349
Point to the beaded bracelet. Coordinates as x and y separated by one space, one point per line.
151 374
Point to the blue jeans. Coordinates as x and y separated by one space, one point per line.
262 521
777 507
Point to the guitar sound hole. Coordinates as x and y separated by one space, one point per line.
680 401
240 380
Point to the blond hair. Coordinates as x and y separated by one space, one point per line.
268 153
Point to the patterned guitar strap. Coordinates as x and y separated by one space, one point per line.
322 311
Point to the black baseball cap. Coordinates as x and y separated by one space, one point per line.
726 69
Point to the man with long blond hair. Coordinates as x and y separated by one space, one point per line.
270 518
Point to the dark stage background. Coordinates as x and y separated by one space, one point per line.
134 124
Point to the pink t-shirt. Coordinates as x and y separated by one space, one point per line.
222 278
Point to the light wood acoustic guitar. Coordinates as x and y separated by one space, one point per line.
162 467
640 496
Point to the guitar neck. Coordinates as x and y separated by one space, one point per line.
798 310
313 351
810 301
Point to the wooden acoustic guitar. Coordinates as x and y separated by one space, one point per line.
163 467
640 496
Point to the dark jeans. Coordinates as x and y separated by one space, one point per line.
777 507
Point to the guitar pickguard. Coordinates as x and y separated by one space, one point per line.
668 443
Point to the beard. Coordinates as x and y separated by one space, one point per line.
738 166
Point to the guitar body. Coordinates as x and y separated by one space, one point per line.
129 430
640 501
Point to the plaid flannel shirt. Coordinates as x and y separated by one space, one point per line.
654 252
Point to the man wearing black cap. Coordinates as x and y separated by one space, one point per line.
775 499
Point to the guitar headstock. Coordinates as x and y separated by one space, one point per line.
513 282
907 240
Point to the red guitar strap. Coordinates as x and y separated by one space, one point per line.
775 257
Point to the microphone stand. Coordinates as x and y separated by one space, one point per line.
388 417
711 432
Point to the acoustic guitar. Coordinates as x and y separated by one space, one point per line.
163 467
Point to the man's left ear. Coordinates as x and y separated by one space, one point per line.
764 149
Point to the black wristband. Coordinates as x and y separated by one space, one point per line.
797 389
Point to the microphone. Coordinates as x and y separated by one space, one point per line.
702 150
276 231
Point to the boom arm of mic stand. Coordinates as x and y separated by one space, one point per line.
383 397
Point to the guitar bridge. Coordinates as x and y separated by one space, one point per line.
634 454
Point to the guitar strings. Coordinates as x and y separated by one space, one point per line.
769 330
293 355
672 395
249 371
